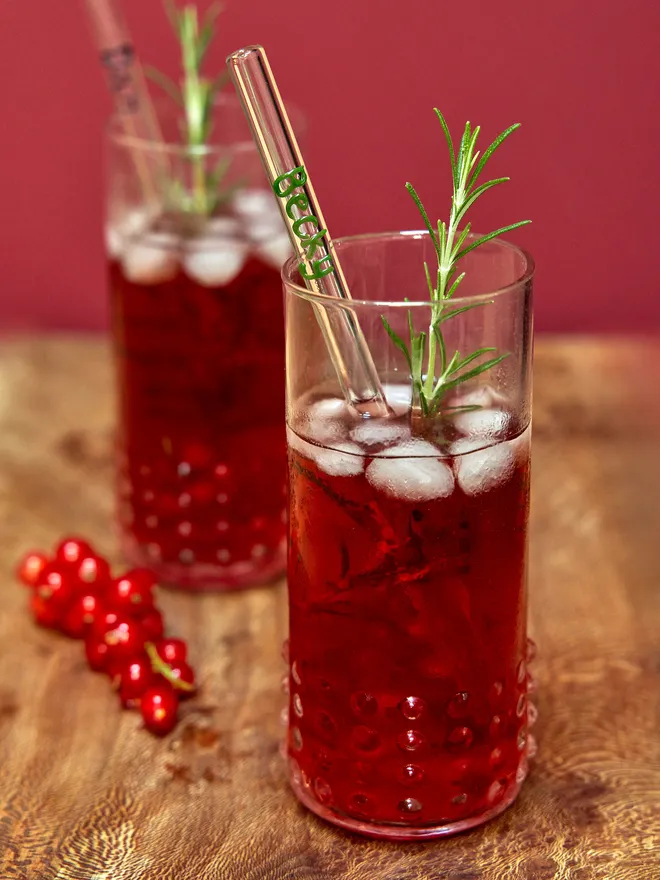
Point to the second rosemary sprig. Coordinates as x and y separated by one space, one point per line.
196 95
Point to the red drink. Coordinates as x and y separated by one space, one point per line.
407 561
199 342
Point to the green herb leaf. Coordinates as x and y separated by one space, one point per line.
174 16
429 283
165 83
417 353
452 289
425 217
474 195
459 243
499 140
472 357
454 410
470 374
220 81
490 237
450 146
445 316
396 339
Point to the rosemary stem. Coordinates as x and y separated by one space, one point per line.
438 301
199 184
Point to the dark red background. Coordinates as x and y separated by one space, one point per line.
581 75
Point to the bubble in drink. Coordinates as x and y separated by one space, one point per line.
411 471
214 262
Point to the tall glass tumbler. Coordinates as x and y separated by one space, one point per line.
197 327
408 713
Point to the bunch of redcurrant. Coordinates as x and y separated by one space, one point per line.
75 593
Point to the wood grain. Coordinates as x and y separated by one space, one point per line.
85 794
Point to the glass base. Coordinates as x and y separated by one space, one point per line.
202 578
400 832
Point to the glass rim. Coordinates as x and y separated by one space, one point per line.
116 134
304 293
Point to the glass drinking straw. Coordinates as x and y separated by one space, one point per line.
128 87
319 265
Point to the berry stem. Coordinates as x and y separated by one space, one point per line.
160 667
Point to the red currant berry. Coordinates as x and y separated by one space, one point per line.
159 707
79 619
105 619
98 654
182 679
31 566
152 625
45 612
72 550
54 584
133 592
172 651
133 679
94 573
125 639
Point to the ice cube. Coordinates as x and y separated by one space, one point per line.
223 227
399 396
343 460
254 203
295 441
482 422
129 225
214 262
468 444
276 250
113 242
152 259
486 468
262 229
411 471
326 420
378 432
522 443
483 396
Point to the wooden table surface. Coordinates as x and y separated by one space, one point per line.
85 794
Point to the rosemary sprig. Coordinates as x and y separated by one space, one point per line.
196 95
444 372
